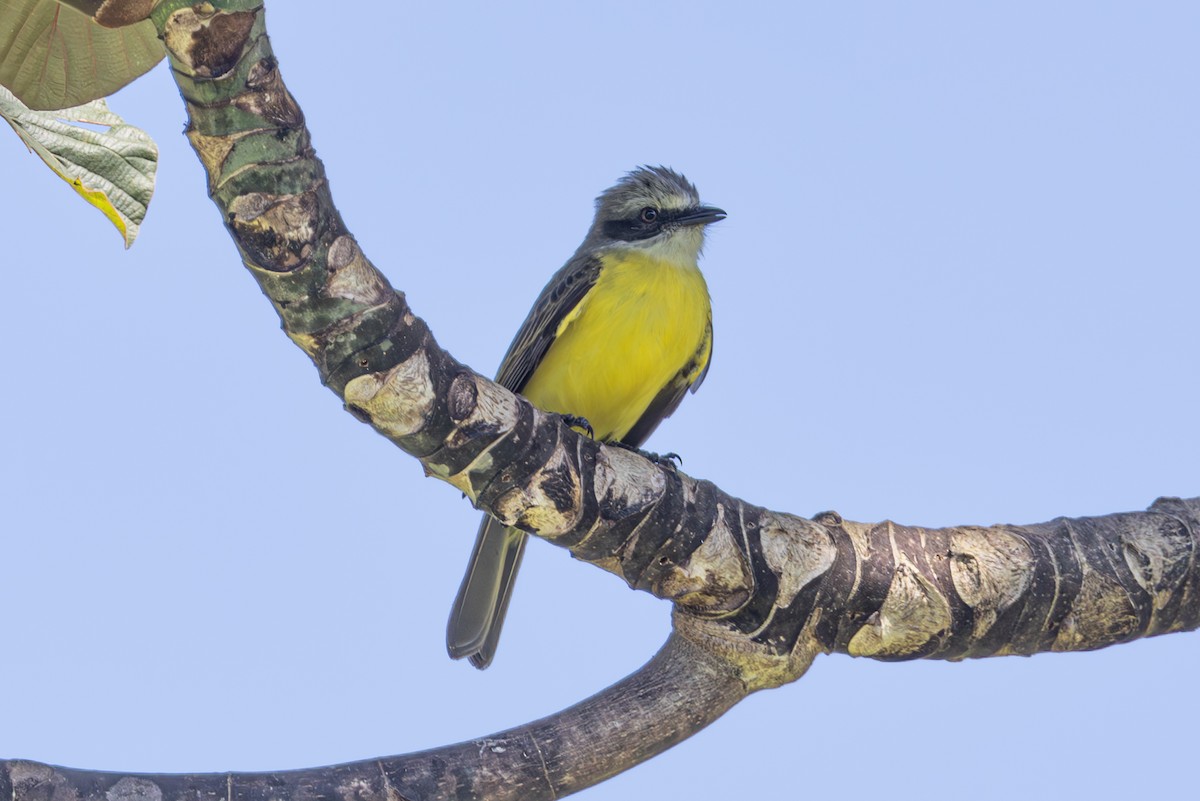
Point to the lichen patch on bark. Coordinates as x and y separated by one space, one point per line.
715 578
397 402
352 277
914 613
551 504
277 232
797 551
208 41
212 151
268 98
626 483
1101 615
990 569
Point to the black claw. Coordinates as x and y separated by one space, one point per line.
667 460
574 421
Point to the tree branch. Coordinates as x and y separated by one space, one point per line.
681 690
771 587
757 593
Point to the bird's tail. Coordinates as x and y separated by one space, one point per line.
479 608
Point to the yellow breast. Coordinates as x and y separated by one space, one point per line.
641 323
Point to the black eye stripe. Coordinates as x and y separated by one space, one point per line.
636 227
630 230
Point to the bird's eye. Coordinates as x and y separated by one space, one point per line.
649 214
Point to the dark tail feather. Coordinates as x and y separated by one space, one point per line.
478 612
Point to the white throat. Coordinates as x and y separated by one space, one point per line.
681 247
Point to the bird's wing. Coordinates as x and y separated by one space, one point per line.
701 361
691 375
560 296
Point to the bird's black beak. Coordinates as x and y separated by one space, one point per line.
701 215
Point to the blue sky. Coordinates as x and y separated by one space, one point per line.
957 285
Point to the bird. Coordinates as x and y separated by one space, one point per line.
613 343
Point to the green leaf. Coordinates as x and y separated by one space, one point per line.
53 56
112 169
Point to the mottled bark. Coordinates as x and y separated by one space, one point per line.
678 692
757 593
769 587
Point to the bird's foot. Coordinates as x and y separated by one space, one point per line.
581 423
669 460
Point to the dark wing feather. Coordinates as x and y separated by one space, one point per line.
562 294
668 400
479 609
705 352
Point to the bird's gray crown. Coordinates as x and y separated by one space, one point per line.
660 187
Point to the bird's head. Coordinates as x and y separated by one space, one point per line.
654 209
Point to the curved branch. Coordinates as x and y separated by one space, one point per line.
537 761
765 589
757 593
